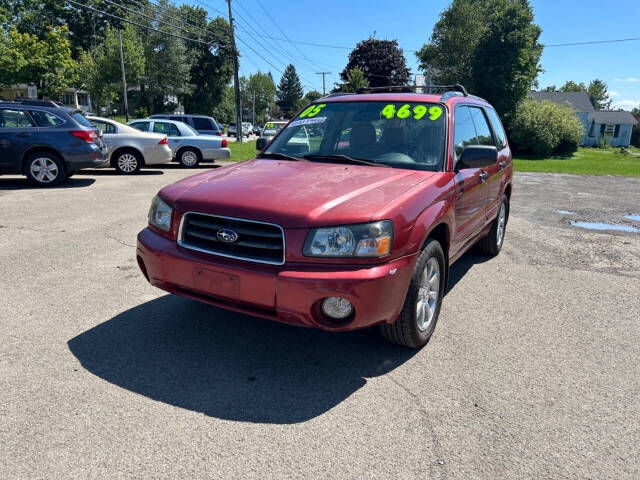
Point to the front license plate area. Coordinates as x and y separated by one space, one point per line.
216 283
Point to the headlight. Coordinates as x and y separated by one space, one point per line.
160 214
361 240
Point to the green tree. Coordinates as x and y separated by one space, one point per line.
355 81
544 128
47 63
597 91
490 46
572 86
225 110
381 61
289 92
261 88
310 96
212 67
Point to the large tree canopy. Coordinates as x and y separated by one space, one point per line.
490 46
597 91
381 61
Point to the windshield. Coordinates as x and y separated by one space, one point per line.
398 134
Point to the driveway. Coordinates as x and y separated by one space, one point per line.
532 372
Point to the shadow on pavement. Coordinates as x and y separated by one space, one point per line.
23 184
232 366
103 172
176 166
460 268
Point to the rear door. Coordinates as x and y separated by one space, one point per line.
497 172
471 195
172 133
18 131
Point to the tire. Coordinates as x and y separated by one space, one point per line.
417 320
492 243
45 169
189 158
127 162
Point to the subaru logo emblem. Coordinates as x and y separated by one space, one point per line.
227 236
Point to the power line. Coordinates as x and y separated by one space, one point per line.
593 42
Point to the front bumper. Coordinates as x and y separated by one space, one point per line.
287 293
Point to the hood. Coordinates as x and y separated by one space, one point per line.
293 194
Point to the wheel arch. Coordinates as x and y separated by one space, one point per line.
189 147
119 150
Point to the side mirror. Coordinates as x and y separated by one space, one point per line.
261 143
477 156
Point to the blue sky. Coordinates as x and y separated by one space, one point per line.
344 23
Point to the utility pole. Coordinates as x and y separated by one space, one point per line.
323 74
253 108
124 78
236 81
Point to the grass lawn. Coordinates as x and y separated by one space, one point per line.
586 161
242 151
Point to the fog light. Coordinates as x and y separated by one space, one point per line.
337 307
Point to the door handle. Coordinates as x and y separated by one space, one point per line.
502 164
483 176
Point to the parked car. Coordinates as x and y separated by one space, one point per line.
200 123
46 142
271 129
257 129
231 130
247 127
129 149
187 146
341 237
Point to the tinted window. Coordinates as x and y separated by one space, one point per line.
45 119
81 119
142 126
482 127
168 129
464 132
497 127
104 126
15 119
200 123
177 119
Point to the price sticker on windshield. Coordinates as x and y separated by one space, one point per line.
312 110
418 112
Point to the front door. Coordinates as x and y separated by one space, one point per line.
17 131
471 195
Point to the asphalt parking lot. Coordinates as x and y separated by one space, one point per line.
532 372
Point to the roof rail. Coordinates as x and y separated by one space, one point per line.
337 94
410 88
38 103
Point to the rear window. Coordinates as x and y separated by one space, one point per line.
45 119
142 126
200 123
81 119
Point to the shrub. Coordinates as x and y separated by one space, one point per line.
545 128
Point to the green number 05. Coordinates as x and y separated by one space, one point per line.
312 110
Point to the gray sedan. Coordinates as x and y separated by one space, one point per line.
188 146
129 149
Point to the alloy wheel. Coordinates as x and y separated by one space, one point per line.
502 220
44 170
127 163
189 158
428 293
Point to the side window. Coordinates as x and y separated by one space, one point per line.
104 126
142 126
482 127
15 119
464 132
200 123
168 129
498 129
45 119
177 119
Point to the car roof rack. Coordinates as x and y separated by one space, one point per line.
338 94
411 88
38 103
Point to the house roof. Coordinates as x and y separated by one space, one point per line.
579 101
618 118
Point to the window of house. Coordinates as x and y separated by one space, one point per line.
83 99
15 119
45 119
68 99
616 132
609 129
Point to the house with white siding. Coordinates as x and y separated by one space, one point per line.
613 125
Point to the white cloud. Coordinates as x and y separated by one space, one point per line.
627 80
613 93
626 104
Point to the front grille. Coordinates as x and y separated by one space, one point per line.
255 242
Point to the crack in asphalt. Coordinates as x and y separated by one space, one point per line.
119 241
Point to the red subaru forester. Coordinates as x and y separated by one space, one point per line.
350 217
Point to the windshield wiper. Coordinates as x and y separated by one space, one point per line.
280 156
315 156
